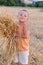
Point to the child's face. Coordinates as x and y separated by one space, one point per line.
23 16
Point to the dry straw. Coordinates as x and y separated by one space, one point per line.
7 39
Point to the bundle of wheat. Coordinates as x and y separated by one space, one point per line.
7 40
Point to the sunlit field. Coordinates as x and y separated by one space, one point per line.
35 23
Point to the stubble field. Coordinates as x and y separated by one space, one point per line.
36 31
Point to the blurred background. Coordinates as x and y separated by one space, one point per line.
23 3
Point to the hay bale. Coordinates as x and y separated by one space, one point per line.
7 41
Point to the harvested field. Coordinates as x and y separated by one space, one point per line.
36 31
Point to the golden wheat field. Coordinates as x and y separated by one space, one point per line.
36 31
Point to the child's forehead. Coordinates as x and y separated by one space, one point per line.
23 12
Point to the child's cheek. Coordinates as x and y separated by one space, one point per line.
25 19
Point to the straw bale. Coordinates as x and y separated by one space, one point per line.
7 39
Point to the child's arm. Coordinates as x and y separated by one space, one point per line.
25 31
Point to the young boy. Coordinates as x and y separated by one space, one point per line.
23 38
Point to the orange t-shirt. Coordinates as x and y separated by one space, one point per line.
22 42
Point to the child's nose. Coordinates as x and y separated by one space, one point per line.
22 16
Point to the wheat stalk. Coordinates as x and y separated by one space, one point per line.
7 28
